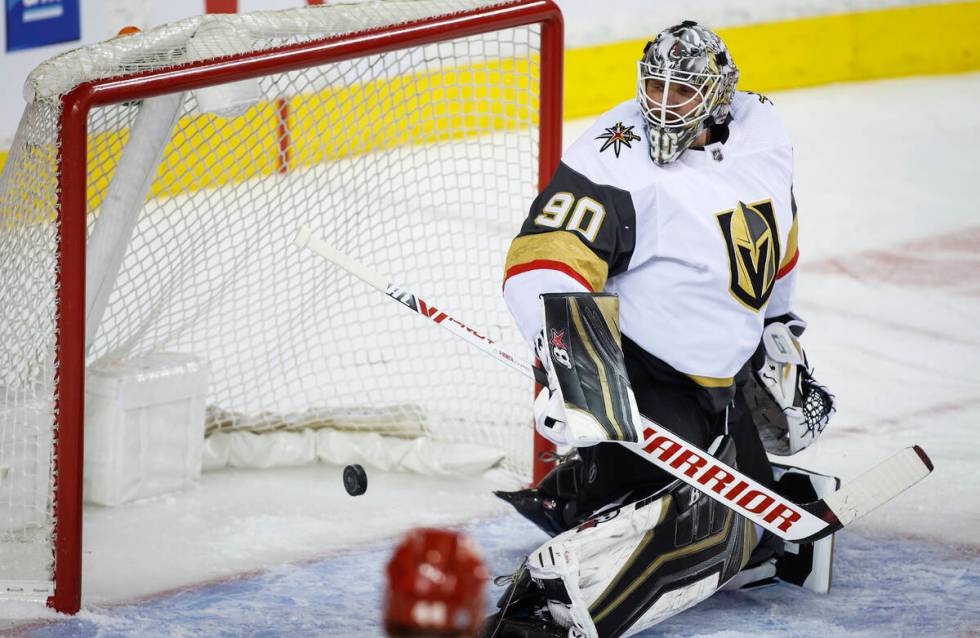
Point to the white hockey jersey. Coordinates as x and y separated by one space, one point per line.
700 251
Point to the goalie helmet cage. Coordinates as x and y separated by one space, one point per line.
153 187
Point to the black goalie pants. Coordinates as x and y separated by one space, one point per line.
693 412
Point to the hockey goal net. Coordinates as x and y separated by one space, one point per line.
149 202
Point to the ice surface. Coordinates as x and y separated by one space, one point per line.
890 256
340 597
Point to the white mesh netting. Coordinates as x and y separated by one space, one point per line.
420 162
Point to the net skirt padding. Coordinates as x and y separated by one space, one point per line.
423 455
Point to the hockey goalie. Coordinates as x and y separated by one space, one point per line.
654 275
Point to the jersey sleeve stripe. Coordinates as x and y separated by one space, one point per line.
558 250
546 264
792 254
788 266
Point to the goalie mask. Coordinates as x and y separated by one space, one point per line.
685 84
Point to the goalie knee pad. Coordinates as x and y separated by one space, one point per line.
631 567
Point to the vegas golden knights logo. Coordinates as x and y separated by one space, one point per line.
753 251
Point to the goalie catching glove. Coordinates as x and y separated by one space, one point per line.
588 399
803 407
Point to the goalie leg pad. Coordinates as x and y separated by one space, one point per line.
806 565
631 567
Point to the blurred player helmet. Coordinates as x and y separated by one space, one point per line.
696 63
436 581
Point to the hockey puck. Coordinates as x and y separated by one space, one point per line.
355 480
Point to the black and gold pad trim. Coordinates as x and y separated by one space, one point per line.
696 538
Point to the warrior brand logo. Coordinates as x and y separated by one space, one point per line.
707 473
422 307
558 350
403 297
618 136
752 240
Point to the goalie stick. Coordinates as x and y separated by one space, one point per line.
795 522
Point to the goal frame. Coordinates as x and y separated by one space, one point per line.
71 164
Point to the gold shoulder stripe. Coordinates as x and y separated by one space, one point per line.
561 250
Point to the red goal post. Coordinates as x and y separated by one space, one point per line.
72 202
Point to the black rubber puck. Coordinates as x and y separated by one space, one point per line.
355 480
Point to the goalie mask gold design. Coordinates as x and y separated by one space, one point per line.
696 62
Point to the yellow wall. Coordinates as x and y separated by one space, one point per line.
924 40
324 126
930 39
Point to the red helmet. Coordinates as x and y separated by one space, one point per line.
436 584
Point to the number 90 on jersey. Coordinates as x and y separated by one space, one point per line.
583 216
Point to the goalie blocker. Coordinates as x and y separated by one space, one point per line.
588 399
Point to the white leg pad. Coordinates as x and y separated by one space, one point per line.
586 559
557 560
633 566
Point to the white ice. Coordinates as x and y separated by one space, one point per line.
886 180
